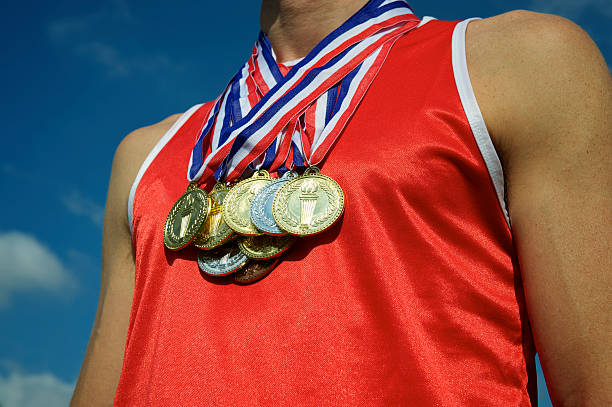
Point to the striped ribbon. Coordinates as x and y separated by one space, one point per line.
270 116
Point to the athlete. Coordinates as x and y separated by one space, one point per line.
445 334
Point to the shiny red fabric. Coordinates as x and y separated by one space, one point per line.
413 298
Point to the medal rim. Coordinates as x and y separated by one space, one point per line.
244 249
200 261
217 243
269 185
264 176
312 174
274 262
172 215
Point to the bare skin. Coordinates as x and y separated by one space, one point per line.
294 27
546 95
104 357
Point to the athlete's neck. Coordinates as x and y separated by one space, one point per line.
294 27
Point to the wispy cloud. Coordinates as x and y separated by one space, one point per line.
121 9
19 389
18 174
28 265
117 64
573 8
80 205
86 36
63 29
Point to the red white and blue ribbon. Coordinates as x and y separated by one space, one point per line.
271 116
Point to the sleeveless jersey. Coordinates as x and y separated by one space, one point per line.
414 298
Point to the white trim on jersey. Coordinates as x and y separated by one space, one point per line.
468 100
152 154
474 116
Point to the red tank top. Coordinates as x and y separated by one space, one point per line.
413 298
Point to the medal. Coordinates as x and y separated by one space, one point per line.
267 119
215 231
186 218
221 261
255 270
308 204
265 246
237 204
261 207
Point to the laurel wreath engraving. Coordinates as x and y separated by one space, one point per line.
231 214
259 217
290 222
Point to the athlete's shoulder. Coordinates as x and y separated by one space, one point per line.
142 140
134 148
528 30
129 156
521 60
524 41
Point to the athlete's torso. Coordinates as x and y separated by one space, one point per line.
413 298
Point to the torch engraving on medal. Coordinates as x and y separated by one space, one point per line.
215 217
185 218
215 231
223 261
308 202
219 262
185 213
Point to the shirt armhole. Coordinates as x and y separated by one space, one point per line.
474 116
152 154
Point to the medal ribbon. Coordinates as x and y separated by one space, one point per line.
265 119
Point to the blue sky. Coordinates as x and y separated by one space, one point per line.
77 76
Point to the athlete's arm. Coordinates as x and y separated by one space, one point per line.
104 357
546 95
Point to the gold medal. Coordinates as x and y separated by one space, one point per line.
186 217
237 203
265 246
308 204
215 231
255 270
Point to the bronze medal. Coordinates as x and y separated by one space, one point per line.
215 231
237 204
255 270
308 204
186 218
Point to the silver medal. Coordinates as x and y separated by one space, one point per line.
222 261
261 206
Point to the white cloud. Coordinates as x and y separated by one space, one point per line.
572 8
80 205
28 265
64 28
107 56
86 36
117 64
121 10
34 390
116 11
